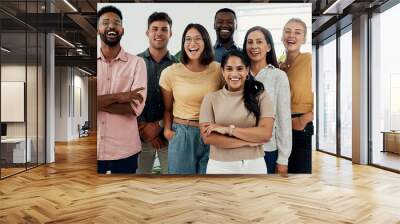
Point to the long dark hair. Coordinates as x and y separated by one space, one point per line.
207 56
252 88
271 55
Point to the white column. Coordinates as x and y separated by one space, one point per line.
360 90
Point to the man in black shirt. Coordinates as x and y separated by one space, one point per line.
157 58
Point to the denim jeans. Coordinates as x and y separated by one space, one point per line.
270 159
148 156
187 153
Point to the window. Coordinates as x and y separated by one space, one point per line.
385 86
346 94
327 96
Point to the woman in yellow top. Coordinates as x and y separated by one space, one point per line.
183 87
299 71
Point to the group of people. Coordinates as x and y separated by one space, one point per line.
210 109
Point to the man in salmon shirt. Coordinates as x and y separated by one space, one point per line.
121 84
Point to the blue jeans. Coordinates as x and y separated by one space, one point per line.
187 153
270 159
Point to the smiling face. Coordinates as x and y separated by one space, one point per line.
193 44
257 47
159 33
235 73
293 36
224 25
110 29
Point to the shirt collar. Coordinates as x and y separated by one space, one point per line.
167 56
122 55
231 44
269 66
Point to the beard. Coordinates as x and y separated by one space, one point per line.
110 43
222 38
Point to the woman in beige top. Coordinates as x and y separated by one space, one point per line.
237 120
298 69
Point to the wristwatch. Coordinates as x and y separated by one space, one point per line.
231 127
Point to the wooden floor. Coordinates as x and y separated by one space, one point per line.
70 191
387 159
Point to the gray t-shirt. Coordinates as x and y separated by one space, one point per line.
225 108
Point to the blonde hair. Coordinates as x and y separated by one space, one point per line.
297 20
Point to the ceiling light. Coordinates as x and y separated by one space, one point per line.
70 5
5 50
84 71
65 41
337 7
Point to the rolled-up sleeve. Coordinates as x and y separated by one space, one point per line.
140 80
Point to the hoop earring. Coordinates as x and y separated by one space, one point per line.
248 77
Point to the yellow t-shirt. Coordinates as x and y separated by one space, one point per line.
189 88
300 81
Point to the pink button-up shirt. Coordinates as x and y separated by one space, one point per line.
118 135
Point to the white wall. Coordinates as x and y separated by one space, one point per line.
271 16
17 73
68 83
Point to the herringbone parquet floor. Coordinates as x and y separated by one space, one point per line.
70 191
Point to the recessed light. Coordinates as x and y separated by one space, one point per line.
5 50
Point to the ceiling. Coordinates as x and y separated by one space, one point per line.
76 23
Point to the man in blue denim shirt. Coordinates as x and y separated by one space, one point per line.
157 58
225 26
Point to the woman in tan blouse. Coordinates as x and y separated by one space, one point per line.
237 120
299 71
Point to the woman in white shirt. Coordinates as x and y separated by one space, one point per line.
259 47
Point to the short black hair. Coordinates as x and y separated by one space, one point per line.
159 16
207 56
109 8
225 10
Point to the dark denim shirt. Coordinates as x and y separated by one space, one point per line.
153 110
220 50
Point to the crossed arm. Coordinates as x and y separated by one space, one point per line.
216 135
120 103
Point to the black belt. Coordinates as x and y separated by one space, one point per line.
296 115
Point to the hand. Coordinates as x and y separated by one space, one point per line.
215 128
297 124
169 134
130 96
281 170
307 117
157 143
149 130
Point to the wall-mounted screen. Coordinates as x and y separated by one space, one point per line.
12 101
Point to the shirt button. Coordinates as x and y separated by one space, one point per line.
102 122
108 79
102 137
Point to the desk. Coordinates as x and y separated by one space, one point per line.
15 148
391 141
